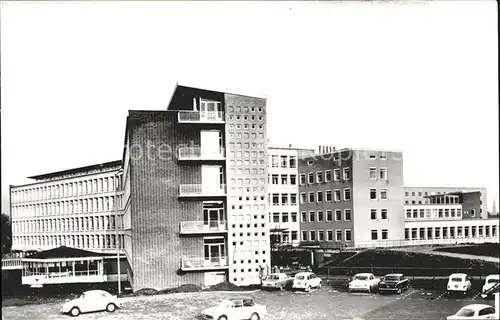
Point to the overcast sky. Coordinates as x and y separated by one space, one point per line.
421 77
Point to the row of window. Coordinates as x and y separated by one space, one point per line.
338 156
283 199
247 188
246 126
246 145
326 196
100 204
325 176
285 217
251 243
326 216
246 118
286 236
434 213
322 235
70 189
283 161
450 232
245 109
382 173
65 224
247 181
74 241
245 163
282 179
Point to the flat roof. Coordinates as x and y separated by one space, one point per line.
109 164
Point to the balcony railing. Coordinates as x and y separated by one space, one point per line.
201 190
201 117
197 153
200 263
194 227
12 264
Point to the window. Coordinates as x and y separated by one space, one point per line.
304 235
347 214
320 216
373 214
473 212
372 156
275 161
347 194
329 235
329 216
383 173
347 173
310 178
284 179
274 179
302 197
406 193
284 198
385 234
311 197
320 196
319 177
311 216
321 235
284 161
276 217
373 194
348 235
328 175
383 194
373 173
328 196
383 213
303 216
374 235
293 198
338 215
284 217
312 235
293 179
293 162
302 178
336 174
338 235
276 199
336 195
293 216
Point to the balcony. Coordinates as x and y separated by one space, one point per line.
12 264
201 190
198 153
200 263
201 117
203 227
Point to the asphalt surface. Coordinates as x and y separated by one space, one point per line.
324 303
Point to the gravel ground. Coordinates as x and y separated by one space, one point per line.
324 303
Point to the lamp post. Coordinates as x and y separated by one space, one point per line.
118 242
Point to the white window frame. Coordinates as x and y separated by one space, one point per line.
341 234
372 169
344 175
305 179
318 175
322 197
331 196
386 214
305 198
376 214
370 194
333 235
386 194
384 169
309 197
326 175
326 216
335 214
350 194
339 193
345 215
308 178
382 234
335 175
345 235
371 234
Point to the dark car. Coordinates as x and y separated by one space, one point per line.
394 282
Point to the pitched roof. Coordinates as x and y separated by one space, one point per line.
65 252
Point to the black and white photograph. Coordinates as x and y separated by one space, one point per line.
257 160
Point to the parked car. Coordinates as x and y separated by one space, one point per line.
277 281
91 301
364 282
306 281
458 282
236 308
474 311
394 282
491 286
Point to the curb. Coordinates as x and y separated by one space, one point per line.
157 296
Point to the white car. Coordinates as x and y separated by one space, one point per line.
237 308
364 282
491 285
306 281
458 282
474 311
91 301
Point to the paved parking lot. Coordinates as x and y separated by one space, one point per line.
324 303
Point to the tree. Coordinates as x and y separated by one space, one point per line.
6 233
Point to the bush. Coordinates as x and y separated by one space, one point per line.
186 288
147 292
226 286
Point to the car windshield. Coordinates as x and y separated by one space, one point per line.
465 313
493 280
456 279
361 278
391 278
299 277
272 277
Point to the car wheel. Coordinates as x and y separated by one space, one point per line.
74 312
255 316
319 286
111 307
282 287
222 318
370 289
399 291
308 289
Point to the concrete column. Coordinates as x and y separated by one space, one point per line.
73 267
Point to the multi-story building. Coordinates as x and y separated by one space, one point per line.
195 190
74 208
283 194
476 210
351 196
